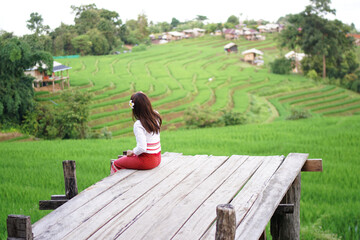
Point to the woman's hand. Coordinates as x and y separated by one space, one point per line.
129 153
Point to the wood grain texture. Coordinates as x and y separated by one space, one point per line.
256 219
19 227
51 204
163 209
45 224
178 199
287 226
253 188
225 222
69 168
312 165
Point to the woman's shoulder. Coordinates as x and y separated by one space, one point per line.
137 123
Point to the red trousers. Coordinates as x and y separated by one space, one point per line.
142 162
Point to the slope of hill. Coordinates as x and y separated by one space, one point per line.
198 71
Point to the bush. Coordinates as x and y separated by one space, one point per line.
65 121
312 74
199 117
232 118
139 48
298 114
281 66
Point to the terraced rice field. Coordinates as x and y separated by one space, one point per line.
198 71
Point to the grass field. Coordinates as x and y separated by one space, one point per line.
176 76
330 201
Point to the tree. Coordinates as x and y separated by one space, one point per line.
318 36
99 43
233 20
35 24
16 92
66 120
82 44
174 22
142 26
201 18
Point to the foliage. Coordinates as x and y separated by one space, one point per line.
174 22
297 113
64 121
281 66
312 74
233 20
200 117
35 24
16 92
230 118
82 44
329 50
139 48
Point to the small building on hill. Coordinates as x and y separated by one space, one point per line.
231 47
296 58
356 38
253 56
42 78
230 34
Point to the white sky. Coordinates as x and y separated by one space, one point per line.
14 13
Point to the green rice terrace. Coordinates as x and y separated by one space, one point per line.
182 74
198 71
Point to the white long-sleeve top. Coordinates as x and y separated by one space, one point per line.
145 142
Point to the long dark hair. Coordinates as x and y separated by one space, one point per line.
143 111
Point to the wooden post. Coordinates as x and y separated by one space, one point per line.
263 236
287 226
19 227
225 222
71 189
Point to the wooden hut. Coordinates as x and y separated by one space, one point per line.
231 47
42 78
230 34
253 56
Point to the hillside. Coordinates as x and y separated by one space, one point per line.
176 76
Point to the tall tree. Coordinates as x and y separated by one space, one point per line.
318 36
35 24
174 22
16 92
201 18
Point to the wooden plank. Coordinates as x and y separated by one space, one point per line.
184 208
284 208
251 191
164 206
51 204
137 201
67 223
116 198
86 196
205 215
256 219
287 226
58 197
312 165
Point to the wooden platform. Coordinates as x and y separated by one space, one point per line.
176 200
